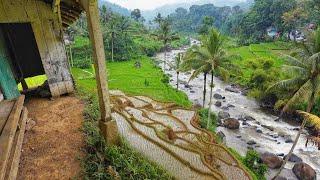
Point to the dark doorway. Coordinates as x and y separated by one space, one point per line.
22 46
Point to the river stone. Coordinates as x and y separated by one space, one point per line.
244 123
217 96
251 142
230 106
268 127
259 130
222 136
294 158
249 118
231 123
288 139
223 115
218 104
280 178
271 160
225 108
192 91
304 172
230 89
280 154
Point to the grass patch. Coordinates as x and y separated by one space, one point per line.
124 76
203 113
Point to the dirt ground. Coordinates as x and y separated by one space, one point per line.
52 148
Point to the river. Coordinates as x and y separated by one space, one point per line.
268 134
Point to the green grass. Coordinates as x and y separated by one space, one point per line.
34 81
125 77
252 57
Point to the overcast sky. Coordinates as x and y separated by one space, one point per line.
146 4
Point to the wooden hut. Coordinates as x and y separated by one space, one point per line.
31 44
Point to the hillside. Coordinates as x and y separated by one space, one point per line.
170 8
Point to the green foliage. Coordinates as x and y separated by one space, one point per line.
252 161
132 81
203 113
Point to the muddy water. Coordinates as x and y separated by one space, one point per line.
268 134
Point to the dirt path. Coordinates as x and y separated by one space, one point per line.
52 148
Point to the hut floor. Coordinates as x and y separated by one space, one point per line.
53 146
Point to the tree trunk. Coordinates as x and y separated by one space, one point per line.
165 60
210 102
309 108
204 90
178 80
112 46
291 150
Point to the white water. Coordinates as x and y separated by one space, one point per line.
246 106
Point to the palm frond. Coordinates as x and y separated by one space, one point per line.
293 61
286 84
295 70
197 72
224 73
311 118
303 93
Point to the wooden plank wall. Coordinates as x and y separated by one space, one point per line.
48 34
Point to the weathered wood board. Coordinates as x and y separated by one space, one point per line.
8 134
48 34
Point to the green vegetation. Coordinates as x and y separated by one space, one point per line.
131 80
203 113
251 162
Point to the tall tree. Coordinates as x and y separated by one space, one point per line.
158 19
136 14
207 24
306 82
210 57
165 34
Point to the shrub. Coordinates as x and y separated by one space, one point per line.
252 161
203 113
165 79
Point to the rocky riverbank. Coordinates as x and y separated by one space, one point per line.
246 126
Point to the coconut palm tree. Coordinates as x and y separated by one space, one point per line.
210 57
176 66
305 83
166 35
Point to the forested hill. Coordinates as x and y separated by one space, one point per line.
115 8
190 21
170 8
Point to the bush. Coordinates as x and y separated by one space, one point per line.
252 161
203 113
165 79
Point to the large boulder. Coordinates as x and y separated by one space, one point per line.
218 96
271 160
231 89
304 172
231 123
294 158
218 104
223 115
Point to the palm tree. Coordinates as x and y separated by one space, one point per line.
165 35
306 82
211 58
176 66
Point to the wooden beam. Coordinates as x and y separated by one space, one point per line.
13 172
99 59
8 134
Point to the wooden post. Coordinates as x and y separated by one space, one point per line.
107 126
